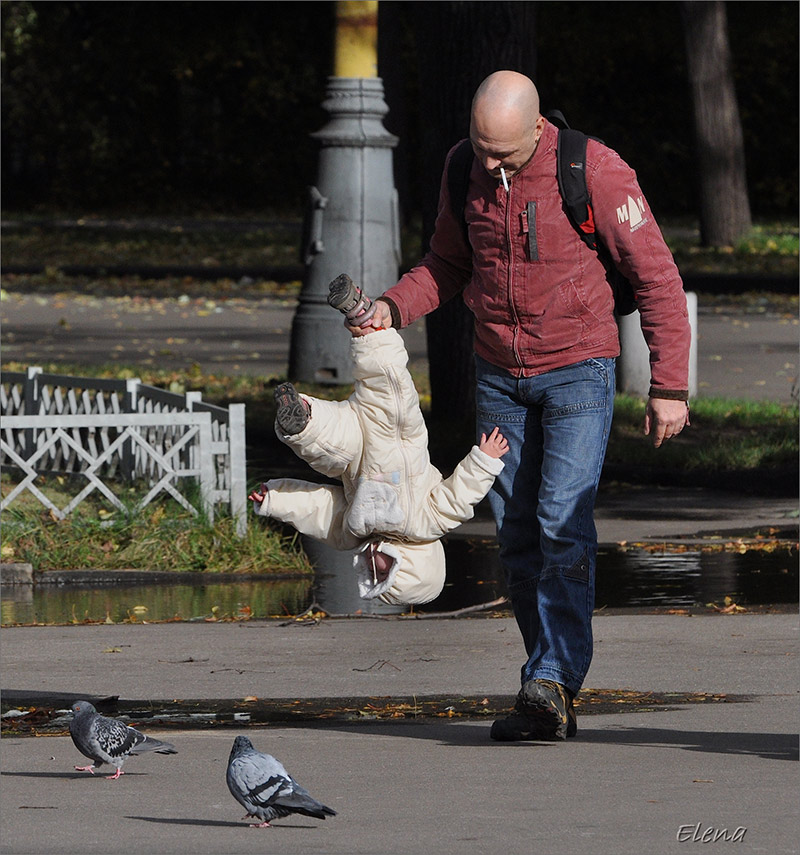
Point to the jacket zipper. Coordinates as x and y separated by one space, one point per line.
400 417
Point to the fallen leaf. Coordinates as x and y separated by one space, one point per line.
733 609
730 609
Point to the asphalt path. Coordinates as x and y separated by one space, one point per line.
663 775
740 355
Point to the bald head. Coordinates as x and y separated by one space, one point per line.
505 124
505 99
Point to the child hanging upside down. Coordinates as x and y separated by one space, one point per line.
393 505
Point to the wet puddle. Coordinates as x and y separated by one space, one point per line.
25 604
633 578
639 578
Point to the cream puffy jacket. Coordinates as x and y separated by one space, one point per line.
376 444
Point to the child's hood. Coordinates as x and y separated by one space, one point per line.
416 574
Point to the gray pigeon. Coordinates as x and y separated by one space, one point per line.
106 740
261 785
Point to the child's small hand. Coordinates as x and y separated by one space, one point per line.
259 494
495 445
377 317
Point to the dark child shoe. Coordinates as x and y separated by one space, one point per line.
347 297
292 415
544 711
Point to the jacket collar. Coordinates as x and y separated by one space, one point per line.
541 161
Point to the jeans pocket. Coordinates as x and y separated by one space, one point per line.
601 365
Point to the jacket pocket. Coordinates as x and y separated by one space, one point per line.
375 507
587 327
529 233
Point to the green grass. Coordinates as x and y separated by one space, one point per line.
240 244
771 248
162 536
725 436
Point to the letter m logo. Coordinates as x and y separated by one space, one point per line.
631 211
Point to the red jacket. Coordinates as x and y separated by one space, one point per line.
539 294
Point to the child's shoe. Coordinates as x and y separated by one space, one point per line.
293 412
347 297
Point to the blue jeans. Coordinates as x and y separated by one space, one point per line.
557 426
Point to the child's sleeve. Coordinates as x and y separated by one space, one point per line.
316 510
452 501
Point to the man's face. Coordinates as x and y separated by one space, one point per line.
509 148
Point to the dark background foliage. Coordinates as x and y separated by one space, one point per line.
181 107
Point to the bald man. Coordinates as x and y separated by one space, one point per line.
546 341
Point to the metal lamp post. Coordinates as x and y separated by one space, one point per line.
351 223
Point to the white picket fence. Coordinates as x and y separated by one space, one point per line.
117 432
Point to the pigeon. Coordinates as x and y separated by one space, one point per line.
261 785
106 740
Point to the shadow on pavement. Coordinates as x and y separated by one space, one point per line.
769 746
100 776
213 823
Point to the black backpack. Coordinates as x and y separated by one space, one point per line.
571 175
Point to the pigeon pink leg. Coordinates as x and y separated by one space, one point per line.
85 769
264 824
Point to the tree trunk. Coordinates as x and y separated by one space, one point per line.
459 44
724 203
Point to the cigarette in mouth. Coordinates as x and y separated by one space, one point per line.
505 180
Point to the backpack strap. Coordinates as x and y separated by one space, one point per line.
458 171
571 173
556 117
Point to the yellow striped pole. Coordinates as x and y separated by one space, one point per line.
352 219
356 48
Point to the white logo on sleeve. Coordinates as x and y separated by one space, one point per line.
632 212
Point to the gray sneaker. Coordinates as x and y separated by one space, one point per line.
544 711
292 414
347 297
